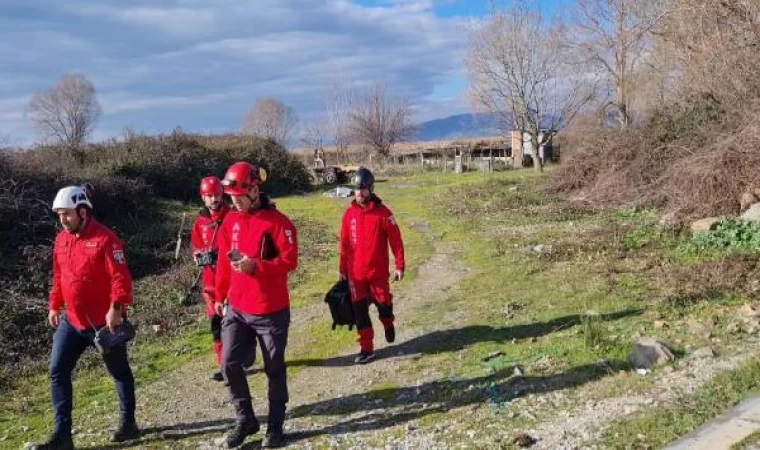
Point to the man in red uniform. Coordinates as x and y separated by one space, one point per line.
258 247
205 253
368 227
92 281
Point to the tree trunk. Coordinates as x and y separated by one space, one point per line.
537 163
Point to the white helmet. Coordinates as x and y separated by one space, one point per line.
71 197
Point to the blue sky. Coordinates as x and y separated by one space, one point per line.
201 64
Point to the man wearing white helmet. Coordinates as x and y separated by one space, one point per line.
92 282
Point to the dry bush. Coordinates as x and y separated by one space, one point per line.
715 44
700 149
711 180
681 160
731 274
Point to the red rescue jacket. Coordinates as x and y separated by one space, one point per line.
269 238
89 275
364 237
203 239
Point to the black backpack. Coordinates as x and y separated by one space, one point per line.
338 298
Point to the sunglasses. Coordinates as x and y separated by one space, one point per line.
236 183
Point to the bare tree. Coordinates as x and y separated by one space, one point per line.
378 121
515 70
271 119
313 135
67 112
339 104
614 36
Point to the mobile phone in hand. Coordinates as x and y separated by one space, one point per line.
234 255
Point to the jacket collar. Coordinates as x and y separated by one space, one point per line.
373 203
89 228
219 213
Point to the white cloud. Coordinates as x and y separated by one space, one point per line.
120 102
201 64
171 20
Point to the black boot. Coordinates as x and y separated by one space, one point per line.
127 430
390 334
274 438
217 376
244 428
246 424
55 443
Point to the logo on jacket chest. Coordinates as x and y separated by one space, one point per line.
354 231
235 235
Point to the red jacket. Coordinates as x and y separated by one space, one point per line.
89 274
364 237
269 238
203 239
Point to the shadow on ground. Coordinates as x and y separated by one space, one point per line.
388 407
447 341
171 432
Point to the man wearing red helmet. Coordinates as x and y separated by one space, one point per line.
205 252
367 229
258 247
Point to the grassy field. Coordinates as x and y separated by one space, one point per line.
559 292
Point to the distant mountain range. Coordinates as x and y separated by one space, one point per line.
460 126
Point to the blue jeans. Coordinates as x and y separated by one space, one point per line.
68 345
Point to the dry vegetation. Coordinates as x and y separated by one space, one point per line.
700 149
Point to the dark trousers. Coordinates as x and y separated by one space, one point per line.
239 335
68 345
216 333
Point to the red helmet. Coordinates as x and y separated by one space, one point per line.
211 186
241 177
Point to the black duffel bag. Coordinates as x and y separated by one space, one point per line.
338 298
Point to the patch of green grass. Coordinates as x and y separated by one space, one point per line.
641 237
384 390
657 428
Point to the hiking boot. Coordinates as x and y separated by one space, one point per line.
364 357
126 432
55 443
243 429
273 439
217 376
390 334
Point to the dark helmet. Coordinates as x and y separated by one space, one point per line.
363 179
